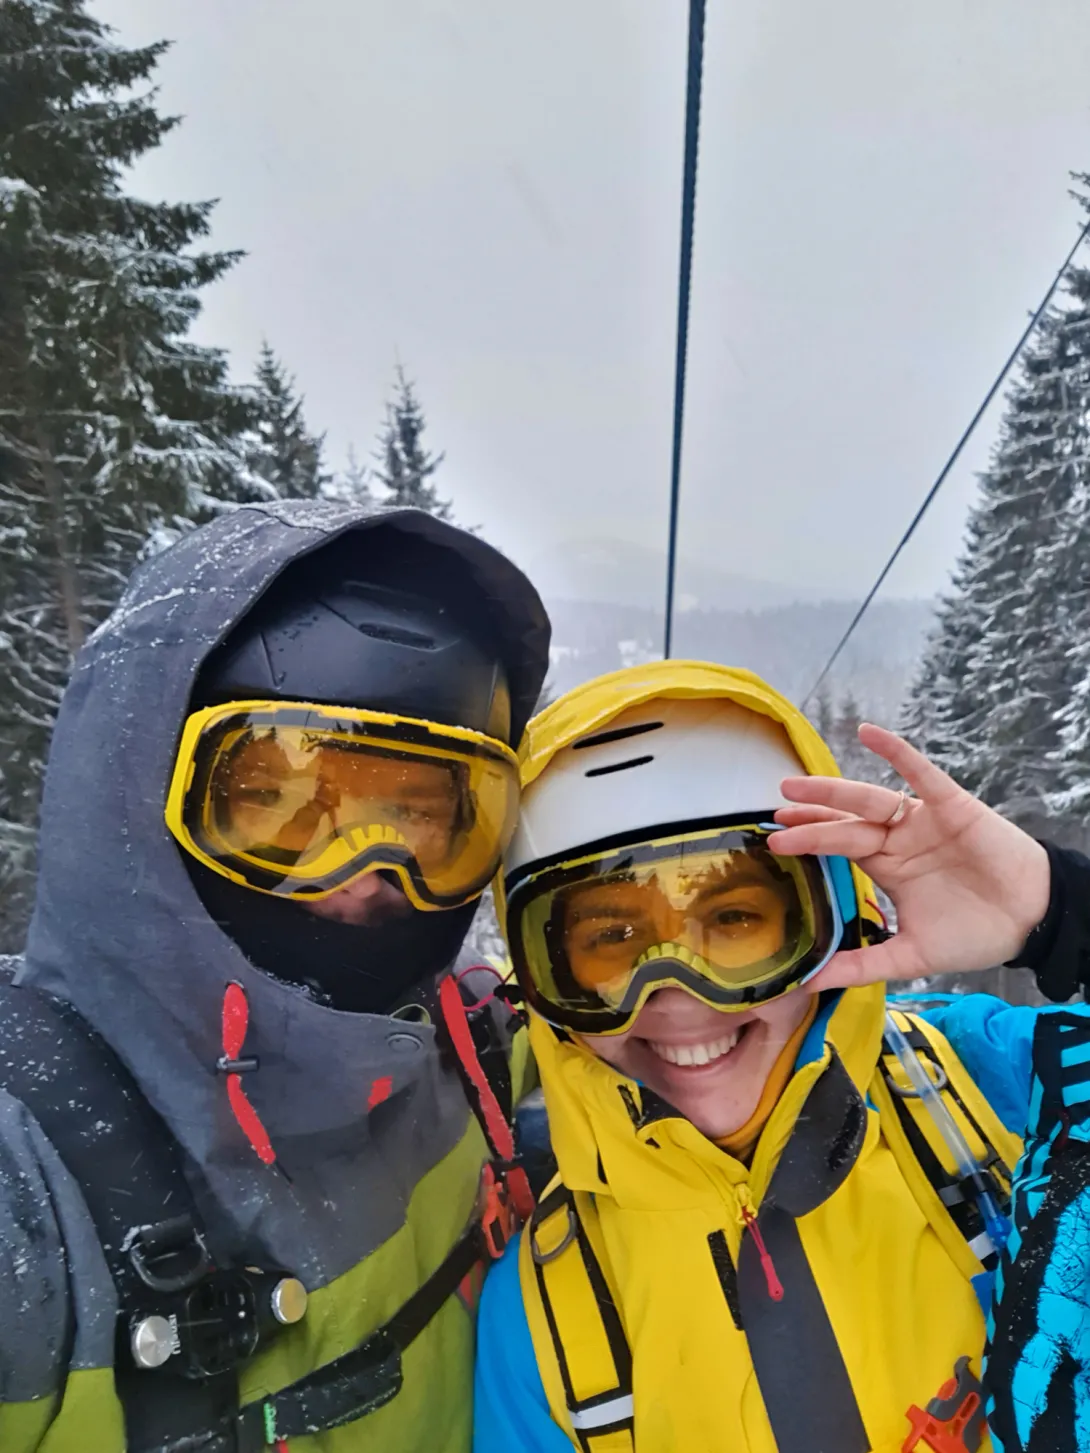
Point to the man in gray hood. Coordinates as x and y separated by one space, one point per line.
281 776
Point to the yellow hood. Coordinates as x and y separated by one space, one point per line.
587 1114
592 705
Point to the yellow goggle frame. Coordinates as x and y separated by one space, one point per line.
444 866
541 957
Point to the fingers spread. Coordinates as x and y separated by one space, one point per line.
927 781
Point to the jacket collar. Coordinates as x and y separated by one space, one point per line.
615 1138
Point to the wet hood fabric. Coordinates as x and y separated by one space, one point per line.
357 1107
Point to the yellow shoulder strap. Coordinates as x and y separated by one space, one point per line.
589 1385
922 1154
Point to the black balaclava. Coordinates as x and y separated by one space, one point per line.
381 619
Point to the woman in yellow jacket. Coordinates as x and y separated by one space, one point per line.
762 1236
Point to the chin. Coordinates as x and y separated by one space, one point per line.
717 1107
715 1121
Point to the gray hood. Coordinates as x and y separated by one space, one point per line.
120 932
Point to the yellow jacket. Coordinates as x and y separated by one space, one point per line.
660 1319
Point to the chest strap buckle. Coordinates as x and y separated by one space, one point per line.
952 1422
499 1221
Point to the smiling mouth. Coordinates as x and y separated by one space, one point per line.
695 1056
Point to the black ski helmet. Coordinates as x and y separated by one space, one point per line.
395 617
393 622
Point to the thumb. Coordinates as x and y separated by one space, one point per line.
894 959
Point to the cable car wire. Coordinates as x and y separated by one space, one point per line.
688 210
970 429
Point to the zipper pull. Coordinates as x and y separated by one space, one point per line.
772 1281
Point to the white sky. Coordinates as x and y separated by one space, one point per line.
489 190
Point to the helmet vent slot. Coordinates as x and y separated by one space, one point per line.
397 636
619 734
618 767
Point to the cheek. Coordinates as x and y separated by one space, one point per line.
783 1016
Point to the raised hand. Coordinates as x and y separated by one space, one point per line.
968 885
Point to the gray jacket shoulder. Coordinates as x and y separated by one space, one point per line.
57 1302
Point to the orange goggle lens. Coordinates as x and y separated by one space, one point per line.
299 800
711 910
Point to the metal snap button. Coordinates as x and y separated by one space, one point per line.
404 1043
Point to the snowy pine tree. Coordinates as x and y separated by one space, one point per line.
838 727
822 715
405 467
115 430
352 485
939 708
1070 797
993 701
851 755
283 452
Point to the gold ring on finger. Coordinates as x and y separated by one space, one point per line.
898 813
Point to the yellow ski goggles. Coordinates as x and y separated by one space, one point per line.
710 910
298 800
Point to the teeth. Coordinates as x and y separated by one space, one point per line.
696 1054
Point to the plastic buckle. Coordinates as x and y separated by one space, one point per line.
571 1231
939 1081
498 1220
169 1257
952 1422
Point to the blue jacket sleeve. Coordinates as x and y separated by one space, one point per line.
994 1041
511 1410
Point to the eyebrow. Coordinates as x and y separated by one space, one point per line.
727 885
607 910
723 885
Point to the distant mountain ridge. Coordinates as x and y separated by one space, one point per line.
627 574
787 643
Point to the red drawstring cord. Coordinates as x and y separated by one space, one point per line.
480 969
871 904
772 1281
499 1132
236 1021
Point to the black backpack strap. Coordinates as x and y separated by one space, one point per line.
367 1377
128 1167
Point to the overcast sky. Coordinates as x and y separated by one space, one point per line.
489 190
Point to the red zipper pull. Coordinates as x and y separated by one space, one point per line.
775 1286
